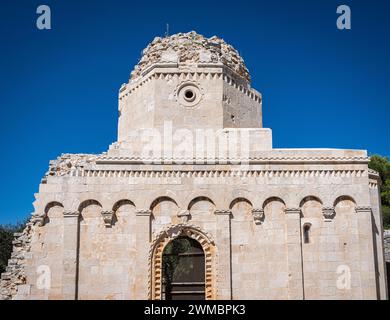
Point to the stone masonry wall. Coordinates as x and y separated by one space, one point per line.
387 245
14 275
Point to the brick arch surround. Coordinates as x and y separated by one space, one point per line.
157 248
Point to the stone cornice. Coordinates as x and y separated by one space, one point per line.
71 214
215 173
223 212
210 71
361 209
374 179
373 173
101 166
293 211
144 213
251 160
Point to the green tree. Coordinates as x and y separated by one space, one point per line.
382 165
6 236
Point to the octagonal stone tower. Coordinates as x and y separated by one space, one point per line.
190 80
263 224
192 83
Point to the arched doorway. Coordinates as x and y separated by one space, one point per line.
162 239
183 270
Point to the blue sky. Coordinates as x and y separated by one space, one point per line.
322 87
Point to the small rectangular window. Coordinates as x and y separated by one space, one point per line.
306 233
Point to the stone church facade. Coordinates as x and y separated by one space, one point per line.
267 223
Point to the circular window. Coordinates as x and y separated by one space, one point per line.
188 94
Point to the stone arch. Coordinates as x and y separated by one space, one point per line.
123 196
159 200
213 198
47 245
84 200
149 199
201 210
123 211
310 198
48 208
271 199
157 248
51 205
200 198
244 194
42 201
241 208
90 229
344 206
342 198
120 203
86 203
164 211
311 207
274 208
239 199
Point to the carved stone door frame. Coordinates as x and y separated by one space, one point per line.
157 249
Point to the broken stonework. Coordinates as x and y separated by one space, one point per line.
68 162
191 48
14 276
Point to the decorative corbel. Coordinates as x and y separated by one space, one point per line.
328 213
258 215
184 215
363 209
108 217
